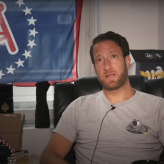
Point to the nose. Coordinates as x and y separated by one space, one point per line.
107 64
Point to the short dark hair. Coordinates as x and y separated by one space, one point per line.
118 39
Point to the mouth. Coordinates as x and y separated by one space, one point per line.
110 76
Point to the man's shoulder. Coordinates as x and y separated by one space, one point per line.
86 98
82 102
144 96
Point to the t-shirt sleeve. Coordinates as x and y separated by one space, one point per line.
159 121
67 126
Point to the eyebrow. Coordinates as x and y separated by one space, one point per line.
97 55
113 51
109 53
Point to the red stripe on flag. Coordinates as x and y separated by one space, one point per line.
76 37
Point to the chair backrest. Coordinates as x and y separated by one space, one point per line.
65 93
155 87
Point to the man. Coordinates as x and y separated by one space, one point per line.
116 125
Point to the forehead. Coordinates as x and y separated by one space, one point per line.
106 46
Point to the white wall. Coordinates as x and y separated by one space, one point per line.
136 20
161 25
88 31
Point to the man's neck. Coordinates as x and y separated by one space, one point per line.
119 95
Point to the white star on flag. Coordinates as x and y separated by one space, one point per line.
27 11
27 54
20 63
10 70
31 43
32 21
1 74
20 2
33 32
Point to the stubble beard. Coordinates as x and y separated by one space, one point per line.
114 85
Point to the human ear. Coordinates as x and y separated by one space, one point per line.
127 61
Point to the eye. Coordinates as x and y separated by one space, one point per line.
98 60
114 56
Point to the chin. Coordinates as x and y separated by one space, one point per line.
114 84
111 87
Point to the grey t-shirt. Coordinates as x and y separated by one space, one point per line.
134 130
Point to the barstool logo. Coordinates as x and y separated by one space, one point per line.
149 55
6 36
7 39
159 56
152 55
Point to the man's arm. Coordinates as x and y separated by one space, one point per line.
56 150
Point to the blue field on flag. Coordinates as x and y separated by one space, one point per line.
38 40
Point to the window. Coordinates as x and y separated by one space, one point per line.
25 102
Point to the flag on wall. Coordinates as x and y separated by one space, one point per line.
39 40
